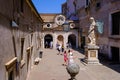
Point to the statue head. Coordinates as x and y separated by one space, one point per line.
91 19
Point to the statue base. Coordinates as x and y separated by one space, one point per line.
91 54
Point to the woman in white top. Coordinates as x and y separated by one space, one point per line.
70 58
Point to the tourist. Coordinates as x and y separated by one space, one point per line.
46 44
51 44
59 49
70 46
67 45
62 48
70 57
65 58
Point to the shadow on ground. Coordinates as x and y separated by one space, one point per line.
110 64
103 60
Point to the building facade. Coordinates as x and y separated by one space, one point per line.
58 30
20 25
108 12
69 10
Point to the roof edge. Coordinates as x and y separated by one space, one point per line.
31 5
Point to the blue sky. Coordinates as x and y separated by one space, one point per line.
48 6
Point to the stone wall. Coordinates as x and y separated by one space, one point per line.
101 13
12 56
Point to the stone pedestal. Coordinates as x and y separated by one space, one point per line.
91 54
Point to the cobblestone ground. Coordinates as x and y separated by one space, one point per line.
51 68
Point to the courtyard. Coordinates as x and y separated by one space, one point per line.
50 68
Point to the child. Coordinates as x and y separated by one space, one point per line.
65 58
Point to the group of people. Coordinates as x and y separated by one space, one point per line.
49 44
60 48
68 57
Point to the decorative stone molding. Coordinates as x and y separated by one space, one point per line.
29 48
22 63
10 63
60 19
91 54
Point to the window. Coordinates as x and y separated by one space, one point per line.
11 69
22 47
21 5
11 76
74 3
31 38
48 25
115 53
87 4
115 23
98 5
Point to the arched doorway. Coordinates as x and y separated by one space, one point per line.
60 40
72 40
47 40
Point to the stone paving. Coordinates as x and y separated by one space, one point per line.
51 68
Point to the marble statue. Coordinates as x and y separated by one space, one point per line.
91 32
91 49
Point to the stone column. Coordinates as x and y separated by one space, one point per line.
54 40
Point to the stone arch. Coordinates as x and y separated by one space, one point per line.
47 39
72 40
60 40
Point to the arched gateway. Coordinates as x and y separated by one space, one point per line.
60 39
47 41
72 40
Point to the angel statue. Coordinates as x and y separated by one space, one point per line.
91 32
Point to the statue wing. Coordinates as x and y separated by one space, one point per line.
99 25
